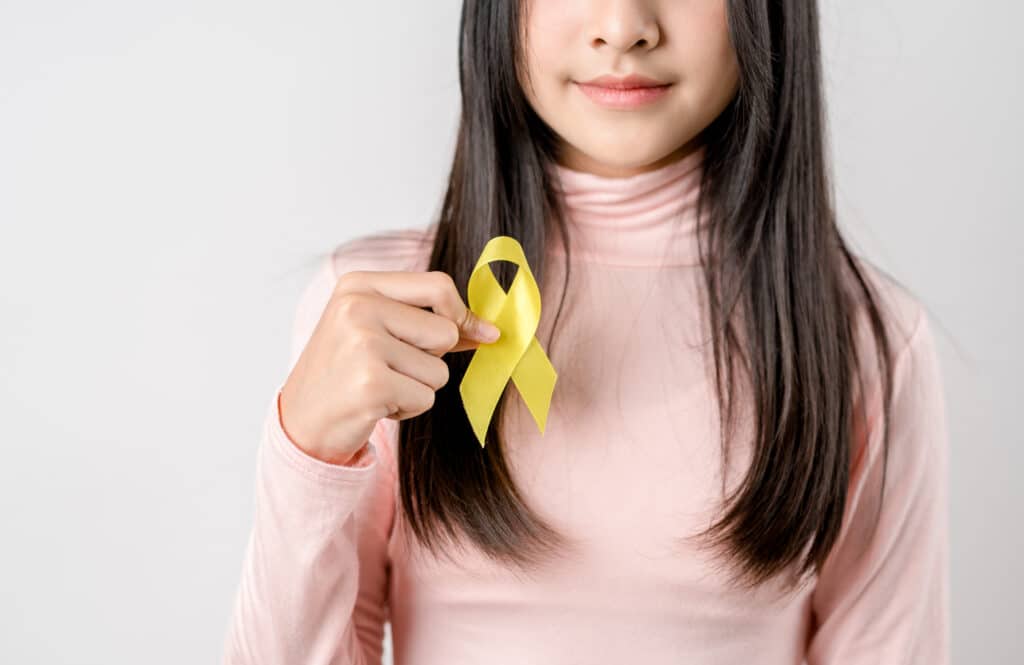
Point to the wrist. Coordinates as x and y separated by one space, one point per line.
344 459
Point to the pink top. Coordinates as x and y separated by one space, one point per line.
629 463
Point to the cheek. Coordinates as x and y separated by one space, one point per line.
706 43
550 27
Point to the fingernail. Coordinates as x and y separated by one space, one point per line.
488 331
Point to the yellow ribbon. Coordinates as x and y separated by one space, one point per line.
516 354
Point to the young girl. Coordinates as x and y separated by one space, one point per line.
745 458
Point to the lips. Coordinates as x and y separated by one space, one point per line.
624 82
623 92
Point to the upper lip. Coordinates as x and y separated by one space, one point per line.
624 82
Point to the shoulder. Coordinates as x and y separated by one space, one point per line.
905 321
917 384
405 249
901 310
401 249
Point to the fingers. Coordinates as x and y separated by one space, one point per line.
434 289
418 327
413 362
415 397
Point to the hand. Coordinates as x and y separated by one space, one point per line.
375 353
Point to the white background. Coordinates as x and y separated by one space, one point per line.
171 171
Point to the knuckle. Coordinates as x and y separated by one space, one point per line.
444 280
452 334
364 343
366 380
347 280
372 391
426 398
442 373
353 306
366 388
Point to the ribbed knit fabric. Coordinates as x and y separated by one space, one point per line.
630 464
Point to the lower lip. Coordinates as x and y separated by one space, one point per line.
623 98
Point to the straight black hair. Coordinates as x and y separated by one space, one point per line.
782 294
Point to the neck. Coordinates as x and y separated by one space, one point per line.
644 219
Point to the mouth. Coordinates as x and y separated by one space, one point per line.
624 82
623 92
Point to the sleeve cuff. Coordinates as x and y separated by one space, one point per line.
361 466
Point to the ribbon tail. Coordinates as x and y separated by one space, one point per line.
535 378
481 388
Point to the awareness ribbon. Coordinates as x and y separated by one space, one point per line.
516 354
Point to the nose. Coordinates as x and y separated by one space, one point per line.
622 25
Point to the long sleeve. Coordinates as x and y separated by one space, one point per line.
314 578
883 596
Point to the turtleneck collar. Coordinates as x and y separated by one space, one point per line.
647 219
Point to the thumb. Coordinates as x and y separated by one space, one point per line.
479 329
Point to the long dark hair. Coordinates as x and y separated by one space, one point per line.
773 254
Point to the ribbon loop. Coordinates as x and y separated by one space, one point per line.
517 354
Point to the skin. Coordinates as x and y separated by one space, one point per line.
377 347
682 42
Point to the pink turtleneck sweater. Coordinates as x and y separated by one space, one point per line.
628 465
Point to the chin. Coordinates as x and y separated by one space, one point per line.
623 159
622 168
